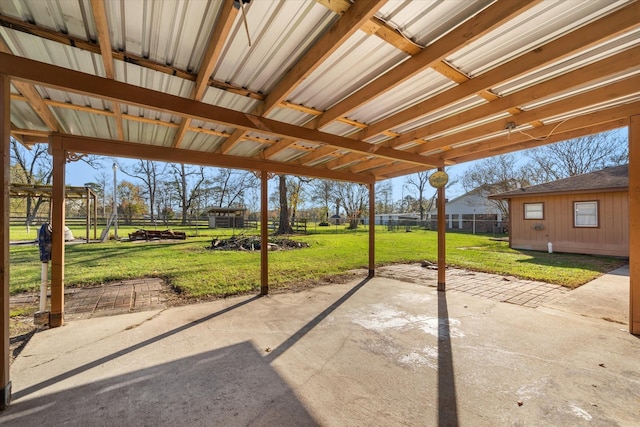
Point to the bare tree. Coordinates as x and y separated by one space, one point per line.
578 156
496 175
102 181
150 173
322 192
419 181
354 199
230 185
31 167
384 196
187 182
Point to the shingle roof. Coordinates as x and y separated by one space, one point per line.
613 178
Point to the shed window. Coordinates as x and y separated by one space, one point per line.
533 211
585 214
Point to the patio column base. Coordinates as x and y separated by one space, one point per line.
56 319
5 396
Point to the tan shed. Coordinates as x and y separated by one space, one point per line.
586 214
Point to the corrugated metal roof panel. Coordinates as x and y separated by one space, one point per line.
247 148
289 115
582 88
358 61
537 26
64 16
287 155
465 104
23 116
280 33
424 85
202 141
229 100
146 133
53 53
169 32
428 20
340 128
86 124
596 53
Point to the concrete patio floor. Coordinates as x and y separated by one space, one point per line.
371 352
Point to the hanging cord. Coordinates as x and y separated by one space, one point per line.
544 138
244 19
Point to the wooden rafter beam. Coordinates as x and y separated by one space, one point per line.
562 136
620 21
86 145
211 56
68 40
350 21
33 97
511 103
562 106
74 81
464 34
104 41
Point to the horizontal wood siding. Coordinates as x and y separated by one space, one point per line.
610 238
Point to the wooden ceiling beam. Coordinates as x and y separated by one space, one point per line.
480 24
606 28
90 46
107 147
209 60
33 97
562 136
544 132
581 76
104 41
74 81
559 107
351 20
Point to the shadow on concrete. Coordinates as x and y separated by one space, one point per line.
278 351
27 391
447 399
233 385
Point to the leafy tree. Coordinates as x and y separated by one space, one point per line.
150 173
496 175
131 203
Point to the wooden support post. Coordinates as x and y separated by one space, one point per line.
95 217
57 236
264 234
442 262
634 225
88 214
372 230
5 141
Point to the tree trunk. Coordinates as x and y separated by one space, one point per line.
284 227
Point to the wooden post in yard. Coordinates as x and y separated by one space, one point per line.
264 235
634 225
5 141
442 262
372 230
56 318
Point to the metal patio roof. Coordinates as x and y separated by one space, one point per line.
358 91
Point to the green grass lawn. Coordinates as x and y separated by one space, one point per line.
197 272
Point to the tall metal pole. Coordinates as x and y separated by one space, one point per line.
5 141
115 206
442 264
